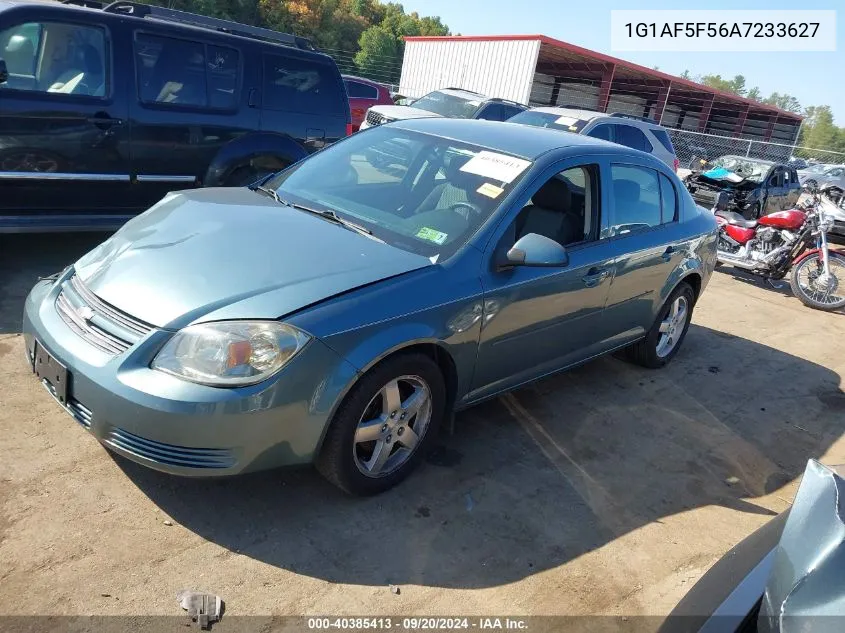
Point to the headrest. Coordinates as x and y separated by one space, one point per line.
626 190
555 195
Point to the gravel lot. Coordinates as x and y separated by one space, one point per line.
601 490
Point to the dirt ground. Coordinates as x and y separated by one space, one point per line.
599 491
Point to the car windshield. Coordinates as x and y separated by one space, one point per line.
418 192
818 169
548 119
749 169
447 105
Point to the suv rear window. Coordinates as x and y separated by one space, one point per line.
663 137
300 85
632 137
358 90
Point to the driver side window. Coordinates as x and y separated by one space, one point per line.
776 179
564 208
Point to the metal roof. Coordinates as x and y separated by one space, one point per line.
589 55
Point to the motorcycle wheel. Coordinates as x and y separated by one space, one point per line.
812 289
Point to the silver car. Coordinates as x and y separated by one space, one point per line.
625 129
822 175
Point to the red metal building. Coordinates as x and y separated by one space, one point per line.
541 70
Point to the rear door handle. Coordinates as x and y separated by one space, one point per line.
595 276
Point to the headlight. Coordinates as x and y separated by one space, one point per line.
230 353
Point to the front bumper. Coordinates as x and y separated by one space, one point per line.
183 428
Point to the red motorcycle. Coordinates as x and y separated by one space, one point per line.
776 243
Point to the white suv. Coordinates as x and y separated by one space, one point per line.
625 129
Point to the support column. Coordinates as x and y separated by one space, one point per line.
740 122
604 90
704 117
770 127
662 100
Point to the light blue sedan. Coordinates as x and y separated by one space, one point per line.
339 311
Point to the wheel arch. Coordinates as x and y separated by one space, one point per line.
432 348
248 147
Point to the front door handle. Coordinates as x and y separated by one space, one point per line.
103 121
595 276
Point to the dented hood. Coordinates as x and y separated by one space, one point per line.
213 254
807 581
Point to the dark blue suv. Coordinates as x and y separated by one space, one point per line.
103 110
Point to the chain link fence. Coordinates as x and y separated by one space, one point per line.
693 145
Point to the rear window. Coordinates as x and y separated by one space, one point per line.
632 137
358 90
297 84
663 137
549 119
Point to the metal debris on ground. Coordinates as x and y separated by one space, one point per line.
395 590
203 608
168 522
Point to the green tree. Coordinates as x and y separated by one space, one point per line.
783 101
754 94
686 75
735 85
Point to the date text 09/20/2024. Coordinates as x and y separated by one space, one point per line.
418 623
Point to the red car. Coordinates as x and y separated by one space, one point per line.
362 94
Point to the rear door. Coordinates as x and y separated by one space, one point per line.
187 103
645 233
792 188
64 138
304 97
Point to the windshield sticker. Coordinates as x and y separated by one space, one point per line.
495 166
566 121
573 128
490 190
431 235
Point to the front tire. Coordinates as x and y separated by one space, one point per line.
809 285
385 425
668 332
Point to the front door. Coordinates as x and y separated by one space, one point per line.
64 134
775 191
538 320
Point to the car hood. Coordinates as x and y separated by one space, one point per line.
212 254
397 113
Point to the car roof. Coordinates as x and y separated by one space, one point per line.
584 115
464 94
363 80
512 138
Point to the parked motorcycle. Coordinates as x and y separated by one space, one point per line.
793 240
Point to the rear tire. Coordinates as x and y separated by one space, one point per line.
837 264
667 334
344 455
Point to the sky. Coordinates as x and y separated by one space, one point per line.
814 78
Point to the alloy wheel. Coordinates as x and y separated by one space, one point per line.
392 426
672 326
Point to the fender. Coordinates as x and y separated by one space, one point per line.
245 148
806 254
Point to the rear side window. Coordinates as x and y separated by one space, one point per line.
508 111
357 90
668 200
663 137
300 85
632 137
186 73
636 199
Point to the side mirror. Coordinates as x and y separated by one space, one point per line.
721 201
4 72
537 250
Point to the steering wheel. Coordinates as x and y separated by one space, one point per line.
465 209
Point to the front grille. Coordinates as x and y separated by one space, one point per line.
374 118
80 412
99 323
170 454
